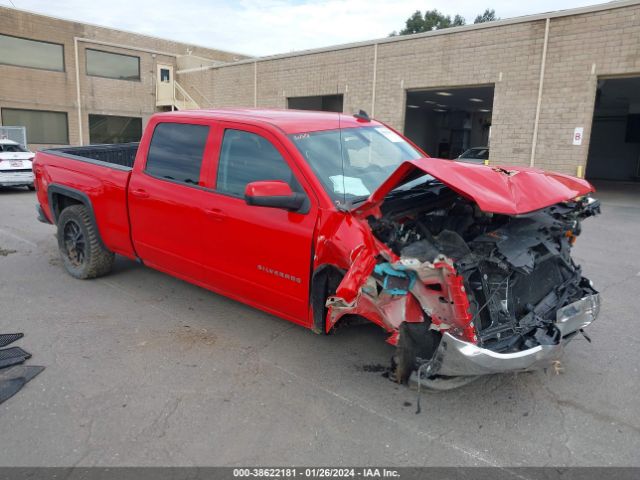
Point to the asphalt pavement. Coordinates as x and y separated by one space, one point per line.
143 369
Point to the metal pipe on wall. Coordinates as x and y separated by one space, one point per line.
543 62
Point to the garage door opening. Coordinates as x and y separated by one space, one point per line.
325 103
445 123
614 149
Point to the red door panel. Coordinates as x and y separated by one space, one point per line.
167 194
259 255
166 224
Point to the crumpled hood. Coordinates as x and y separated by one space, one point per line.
496 189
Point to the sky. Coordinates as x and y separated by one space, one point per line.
266 27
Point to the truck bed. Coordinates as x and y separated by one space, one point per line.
96 175
113 155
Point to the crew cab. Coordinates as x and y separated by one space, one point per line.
321 218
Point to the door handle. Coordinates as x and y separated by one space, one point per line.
216 214
139 193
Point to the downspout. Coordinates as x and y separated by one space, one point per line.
540 85
78 98
255 84
375 75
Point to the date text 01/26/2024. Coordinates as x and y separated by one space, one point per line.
315 472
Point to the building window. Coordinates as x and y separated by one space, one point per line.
22 52
176 151
324 103
164 75
42 126
112 129
112 65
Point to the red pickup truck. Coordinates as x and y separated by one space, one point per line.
322 218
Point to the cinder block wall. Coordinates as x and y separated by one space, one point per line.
581 48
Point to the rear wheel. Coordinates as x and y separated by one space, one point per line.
81 251
31 187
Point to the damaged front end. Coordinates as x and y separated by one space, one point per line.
464 291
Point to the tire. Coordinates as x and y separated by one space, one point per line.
31 188
81 251
416 340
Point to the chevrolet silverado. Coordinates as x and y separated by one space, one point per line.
324 219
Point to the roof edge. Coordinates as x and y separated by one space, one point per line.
153 37
612 5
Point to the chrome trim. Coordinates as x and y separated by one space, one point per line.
578 315
455 357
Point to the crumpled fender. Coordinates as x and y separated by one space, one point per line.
348 243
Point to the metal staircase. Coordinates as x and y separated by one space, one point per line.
176 98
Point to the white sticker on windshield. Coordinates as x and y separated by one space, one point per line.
390 135
348 185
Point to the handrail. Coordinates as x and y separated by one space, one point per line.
186 98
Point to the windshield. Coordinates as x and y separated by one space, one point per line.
12 148
369 155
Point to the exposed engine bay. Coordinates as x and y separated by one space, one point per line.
516 271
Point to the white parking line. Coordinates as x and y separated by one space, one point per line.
17 237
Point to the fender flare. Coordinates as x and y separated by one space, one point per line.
54 190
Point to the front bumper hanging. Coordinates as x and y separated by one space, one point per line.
455 357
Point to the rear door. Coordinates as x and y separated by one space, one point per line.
259 255
166 195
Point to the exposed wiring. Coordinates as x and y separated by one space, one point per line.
493 294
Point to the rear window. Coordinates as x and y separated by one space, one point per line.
176 152
12 148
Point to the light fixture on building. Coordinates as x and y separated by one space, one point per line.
444 94
413 106
476 100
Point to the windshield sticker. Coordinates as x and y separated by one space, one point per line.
348 185
301 136
389 135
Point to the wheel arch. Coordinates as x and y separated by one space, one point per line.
324 281
61 197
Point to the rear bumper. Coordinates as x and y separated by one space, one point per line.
9 179
456 357
41 216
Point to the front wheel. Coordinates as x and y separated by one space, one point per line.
416 342
81 251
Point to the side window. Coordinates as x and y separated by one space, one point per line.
176 150
246 157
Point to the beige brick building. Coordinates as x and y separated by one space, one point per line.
45 69
542 73
558 90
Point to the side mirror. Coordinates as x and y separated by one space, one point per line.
273 193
